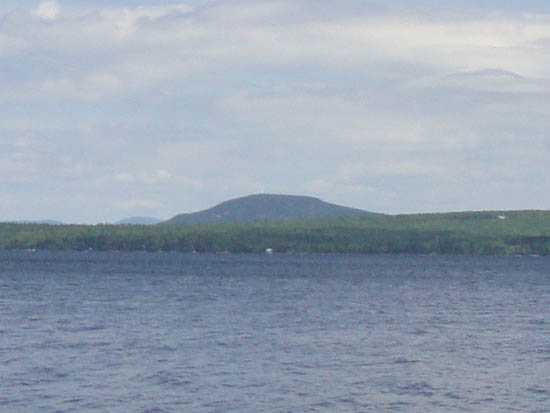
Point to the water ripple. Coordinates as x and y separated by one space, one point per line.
175 332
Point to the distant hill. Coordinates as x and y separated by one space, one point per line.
268 207
138 221
37 222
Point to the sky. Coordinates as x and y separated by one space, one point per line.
111 109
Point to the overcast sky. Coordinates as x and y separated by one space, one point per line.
110 109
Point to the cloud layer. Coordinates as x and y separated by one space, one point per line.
113 109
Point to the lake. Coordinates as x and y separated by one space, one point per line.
169 332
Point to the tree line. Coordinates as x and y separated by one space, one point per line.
487 233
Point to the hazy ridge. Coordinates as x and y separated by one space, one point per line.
268 207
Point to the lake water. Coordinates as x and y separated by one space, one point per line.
168 332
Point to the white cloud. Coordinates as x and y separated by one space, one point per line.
487 80
91 87
125 177
245 96
47 10
163 174
125 20
356 120
138 48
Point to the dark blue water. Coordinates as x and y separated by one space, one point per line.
133 332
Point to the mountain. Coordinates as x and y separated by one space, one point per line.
268 207
138 221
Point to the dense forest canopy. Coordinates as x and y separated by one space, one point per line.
490 232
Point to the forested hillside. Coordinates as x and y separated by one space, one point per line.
268 207
510 232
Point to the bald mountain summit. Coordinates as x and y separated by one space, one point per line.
269 207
